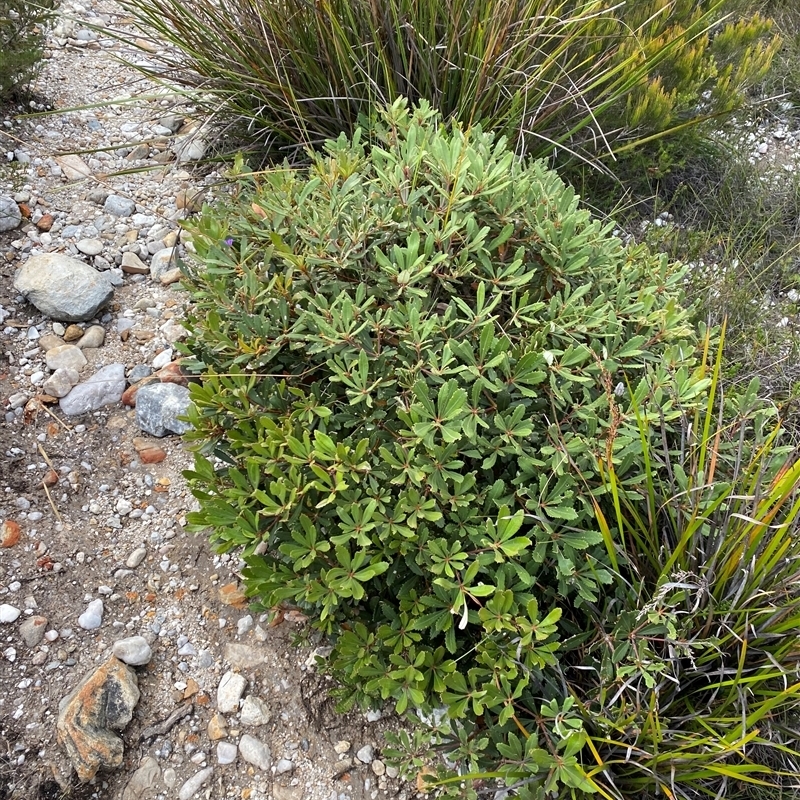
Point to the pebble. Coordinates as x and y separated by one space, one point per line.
244 625
60 383
10 532
68 356
161 262
132 264
158 406
341 747
134 650
92 618
32 630
254 711
255 752
226 752
10 215
9 613
94 337
283 766
119 206
162 359
230 691
192 786
90 247
136 557
103 388
366 754
378 767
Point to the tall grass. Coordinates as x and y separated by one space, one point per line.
583 76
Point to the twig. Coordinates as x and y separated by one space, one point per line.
164 727
44 485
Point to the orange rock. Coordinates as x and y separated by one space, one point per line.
9 533
45 222
192 688
50 478
232 595
153 455
217 728
172 373
73 333
103 701
25 210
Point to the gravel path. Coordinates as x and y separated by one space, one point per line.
93 547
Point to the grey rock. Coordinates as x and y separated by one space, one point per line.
60 383
366 754
143 781
119 206
134 650
94 337
255 752
9 613
189 148
103 388
67 356
92 618
138 373
174 122
32 630
244 656
97 196
49 340
162 262
244 625
73 167
230 691
90 247
103 701
254 711
10 215
192 786
226 752
136 557
158 406
124 324
283 766
63 287
134 265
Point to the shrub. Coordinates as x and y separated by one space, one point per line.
416 360
22 24
580 75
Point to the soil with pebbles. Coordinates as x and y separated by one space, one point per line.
95 520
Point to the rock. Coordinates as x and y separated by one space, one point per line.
90 247
10 215
171 276
173 373
378 767
9 613
94 337
32 630
254 711
143 781
9 533
366 754
226 752
341 747
60 383
217 728
92 618
136 557
170 777
231 594
151 455
172 121
244 625
63 288
73 167
192 786
119 206
138 153
191 200
139 372
103 388
188 148
97 196
162 359
45 222
68 356
255 752
244 656
103 701
134 650
161 262
158 406
173 331
132 264
49 340
230 691
73 333
283 766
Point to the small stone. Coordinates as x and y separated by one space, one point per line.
188 148
255 752
366 754
254 712
392 772
49 341
161 262
10 215
132 264
103 701
217 729
231 594
73 167
226 752
191 200
103 388
158 406
171 276
244 625
67 356
378 767
60 383
136 558
151 455
73 333
119 206
9 613
94 337
138 153
283 766
62 287
192 786
162 359
92 618
32 630
170 778
9 533
341 747
45 222
139 372
230 691
134 650
143 780
90 247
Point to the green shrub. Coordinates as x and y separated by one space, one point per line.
416 360
581 76
22 25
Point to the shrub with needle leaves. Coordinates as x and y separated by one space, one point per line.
22 26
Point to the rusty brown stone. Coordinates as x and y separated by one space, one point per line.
172 373
45 222
50 478
231 595
9 533
73 333
153 455
103 701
